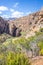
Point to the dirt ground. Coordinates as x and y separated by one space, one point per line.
37 60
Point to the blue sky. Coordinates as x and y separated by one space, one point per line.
19 8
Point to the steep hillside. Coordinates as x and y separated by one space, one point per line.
32 22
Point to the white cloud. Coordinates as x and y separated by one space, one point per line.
0 12
3 8
11 10
5 16
16 4
28 12
17 14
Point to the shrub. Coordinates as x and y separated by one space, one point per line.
23 33
41 52
32 38
3 37
41 29
21 42
40 45
14 59
17 59
37 33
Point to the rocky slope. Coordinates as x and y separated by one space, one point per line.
32 22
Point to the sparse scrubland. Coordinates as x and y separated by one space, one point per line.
16 50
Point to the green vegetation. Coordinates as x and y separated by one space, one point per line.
40 45
17 44
41 29
17 59
14 59
3 37
14 50
12 53
39 32
23 33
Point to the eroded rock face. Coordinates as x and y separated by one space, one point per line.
12 29
29 22
8 28
4 27
18 32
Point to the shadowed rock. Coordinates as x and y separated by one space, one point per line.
8 28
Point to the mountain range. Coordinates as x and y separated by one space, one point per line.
27 24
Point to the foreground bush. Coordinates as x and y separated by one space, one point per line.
4 37
41 29
12 52
14 59
18 44
40 45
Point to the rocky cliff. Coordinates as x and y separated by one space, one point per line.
31 23
8 28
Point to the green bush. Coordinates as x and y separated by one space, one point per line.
14 59
41 52
40 45
38 33
11 53
17 59
3 37
23 33
32 38
17 45
41 29
24 42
